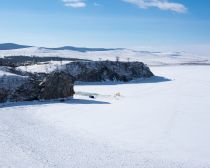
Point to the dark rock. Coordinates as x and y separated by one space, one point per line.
29 90
96 71
15 61
53 86
57 85
3 95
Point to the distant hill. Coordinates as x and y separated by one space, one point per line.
82 49
12 46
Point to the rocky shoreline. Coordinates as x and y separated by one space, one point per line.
60 83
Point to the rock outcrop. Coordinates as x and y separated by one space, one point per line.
29 90
96 71
3 95
57 85
53 86
60 84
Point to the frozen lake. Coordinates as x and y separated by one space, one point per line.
161 122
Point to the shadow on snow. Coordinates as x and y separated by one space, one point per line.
154 79
49 102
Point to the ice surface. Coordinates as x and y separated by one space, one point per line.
154 124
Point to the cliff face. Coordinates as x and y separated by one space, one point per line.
57 85
96 71
53 86
60 83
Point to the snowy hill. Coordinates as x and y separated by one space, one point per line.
148 57
81 49
12 46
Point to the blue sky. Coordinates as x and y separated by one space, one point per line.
106 23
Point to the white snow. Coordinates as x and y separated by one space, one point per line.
9 80
4 73
150 58
152 124
45 67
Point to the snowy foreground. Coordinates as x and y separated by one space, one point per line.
155 124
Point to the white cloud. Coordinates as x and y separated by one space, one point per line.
161 4
75 3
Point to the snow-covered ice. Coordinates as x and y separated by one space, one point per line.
155 124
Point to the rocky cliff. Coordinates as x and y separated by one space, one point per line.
96 71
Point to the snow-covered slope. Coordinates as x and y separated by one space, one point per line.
154 124
45 67
9 80
150 58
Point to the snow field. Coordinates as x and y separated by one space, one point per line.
150 124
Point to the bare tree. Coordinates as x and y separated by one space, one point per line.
26 68
46 68
117 58
57 68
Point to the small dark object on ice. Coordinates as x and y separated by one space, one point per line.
92 97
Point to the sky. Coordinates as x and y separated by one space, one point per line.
156 24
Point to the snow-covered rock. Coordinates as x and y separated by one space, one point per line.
96 71
37 87
57 85
10 78
3 95
29 90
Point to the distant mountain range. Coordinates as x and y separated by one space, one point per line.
12 46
